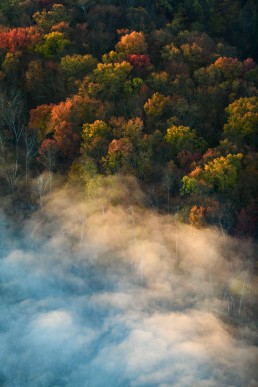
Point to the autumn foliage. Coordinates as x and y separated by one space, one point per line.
139 61
133 43
167 93
39 120
197 216
17 39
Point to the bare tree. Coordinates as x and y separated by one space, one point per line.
84 5
237 288
42 183
48 153
4 163
11 119
30 142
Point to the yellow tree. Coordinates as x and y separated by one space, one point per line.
95 139
223 172
220 174
242 125
156 105
133 43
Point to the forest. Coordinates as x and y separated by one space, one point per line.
165 91
129 193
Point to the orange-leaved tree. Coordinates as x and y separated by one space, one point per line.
19 39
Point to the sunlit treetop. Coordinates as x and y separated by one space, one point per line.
221 174
110 78
242 121
95 139
97 129
184 138
47 19
77 66
156 105
133 43
231 68
53 45
112 57
19 39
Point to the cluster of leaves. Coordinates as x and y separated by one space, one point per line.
164 91
17 39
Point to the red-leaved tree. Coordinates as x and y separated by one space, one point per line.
18 39
139 61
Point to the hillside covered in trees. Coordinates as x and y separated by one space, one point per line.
165 91
129 193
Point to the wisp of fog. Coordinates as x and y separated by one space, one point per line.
104 293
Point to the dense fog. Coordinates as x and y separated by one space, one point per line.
102 292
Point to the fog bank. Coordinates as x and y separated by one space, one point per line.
95 294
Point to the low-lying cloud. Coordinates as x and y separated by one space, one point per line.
100 295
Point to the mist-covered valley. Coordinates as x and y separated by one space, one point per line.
104 292
128 193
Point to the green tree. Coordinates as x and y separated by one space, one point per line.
95 139
220 175
184 138
158 81
190 185
223 172
11 11
53 45
130 151
77 66
231 68
111 77
45 20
